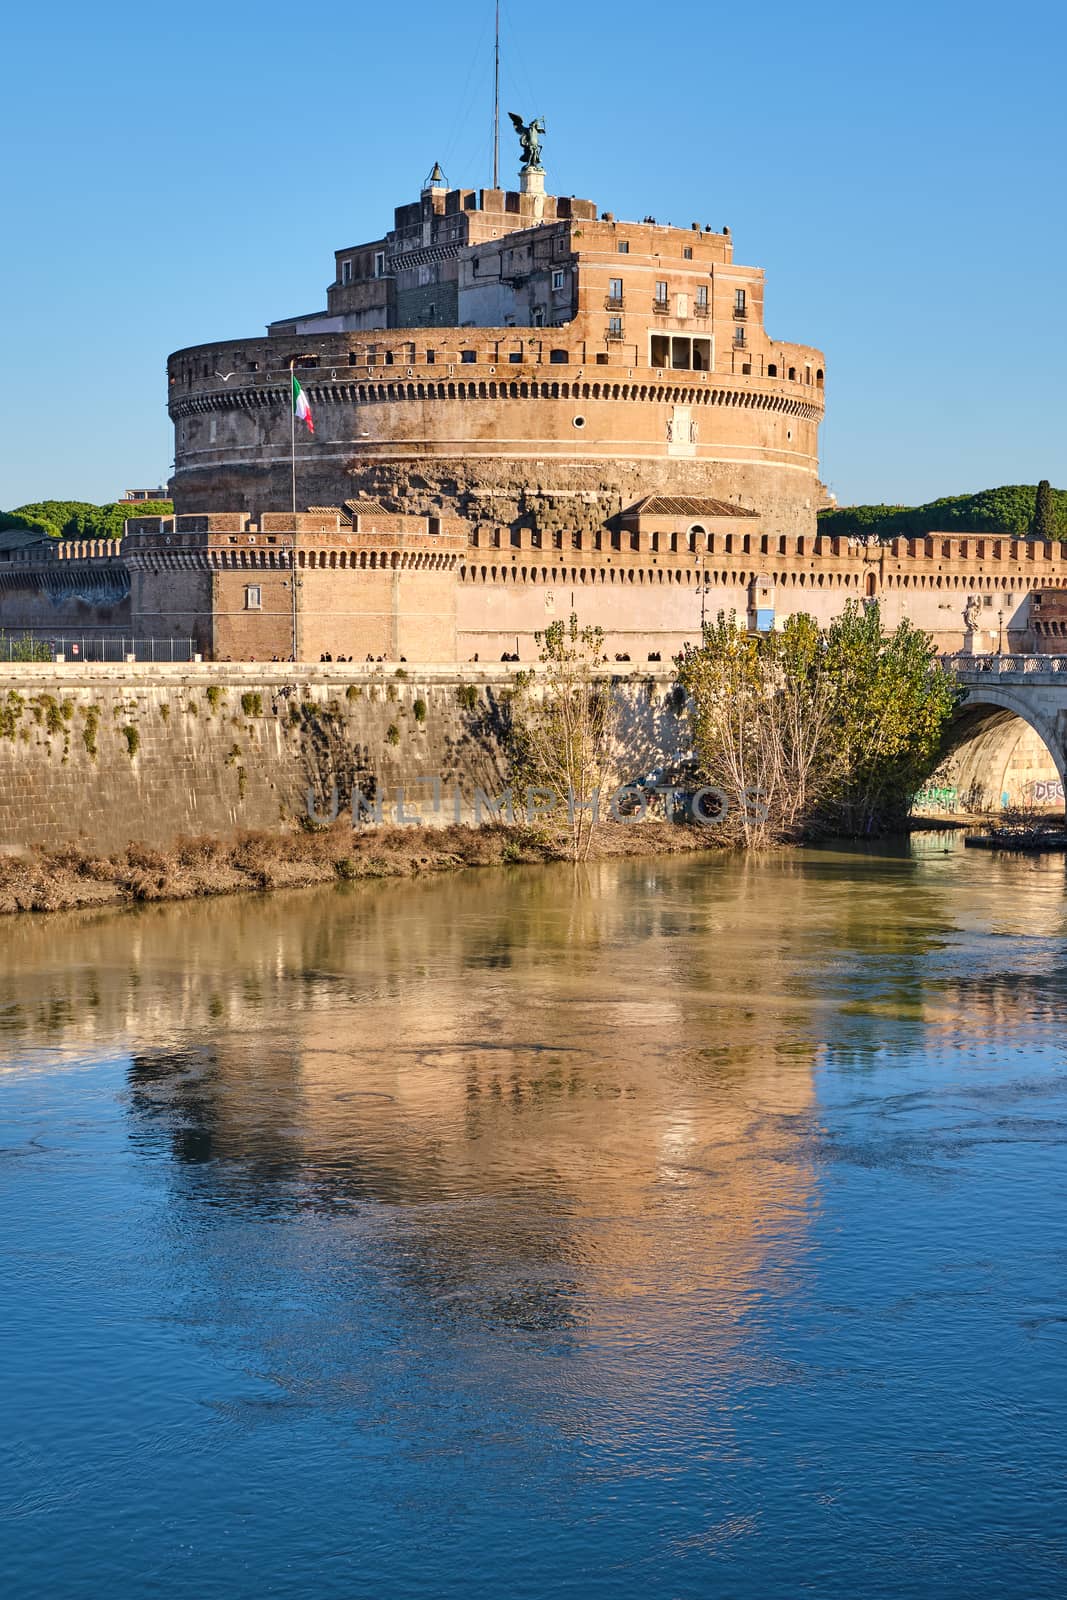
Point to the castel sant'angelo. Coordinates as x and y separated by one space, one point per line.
524 408
519 360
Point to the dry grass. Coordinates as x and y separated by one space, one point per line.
193 868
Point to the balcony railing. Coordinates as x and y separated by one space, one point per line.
740 312
613 335
739 338
701 309
662 307
613 302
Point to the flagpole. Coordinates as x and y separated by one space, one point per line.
292 420
496 104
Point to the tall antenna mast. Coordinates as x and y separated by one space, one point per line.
496 104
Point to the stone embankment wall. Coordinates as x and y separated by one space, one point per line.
98 757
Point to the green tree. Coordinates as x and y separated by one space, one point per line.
1044 524
1008 510
80 519
563 739
890 703
759 710
832 730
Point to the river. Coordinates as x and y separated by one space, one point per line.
663 1229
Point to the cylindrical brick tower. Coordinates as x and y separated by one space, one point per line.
542 376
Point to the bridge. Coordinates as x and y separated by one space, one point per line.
1008 741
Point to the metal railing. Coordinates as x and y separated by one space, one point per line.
613 302
1004 666
741 312
45 648
662 306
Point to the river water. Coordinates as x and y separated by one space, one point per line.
670 1229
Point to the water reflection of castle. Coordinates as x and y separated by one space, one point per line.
545 1092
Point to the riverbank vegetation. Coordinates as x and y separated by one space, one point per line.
562 740
811 731
199 868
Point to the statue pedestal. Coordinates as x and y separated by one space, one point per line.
532 182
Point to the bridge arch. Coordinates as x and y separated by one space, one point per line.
1005 749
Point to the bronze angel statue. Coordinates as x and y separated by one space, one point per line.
530 139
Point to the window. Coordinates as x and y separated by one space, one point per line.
623 247
614 327
739 338
557 282
468 357
661 292
431 357
739 300
615 290
515 357
558 358
253 597
346 272
702 296
379 263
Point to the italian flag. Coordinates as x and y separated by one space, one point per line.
301 408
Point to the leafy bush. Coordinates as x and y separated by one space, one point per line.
252 705
393 734
23 648
467 697
419 710
89 732
133 740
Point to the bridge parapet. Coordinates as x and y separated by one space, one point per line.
980 669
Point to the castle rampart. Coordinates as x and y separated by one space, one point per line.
374 582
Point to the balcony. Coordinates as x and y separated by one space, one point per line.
662 308
701 309
613 302
739 338
740 312
613 335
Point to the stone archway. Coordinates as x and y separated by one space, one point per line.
1004 753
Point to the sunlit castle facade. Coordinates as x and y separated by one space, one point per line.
520 360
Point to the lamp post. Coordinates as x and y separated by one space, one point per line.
293 586
702 584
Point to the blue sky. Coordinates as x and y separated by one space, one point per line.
184 173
